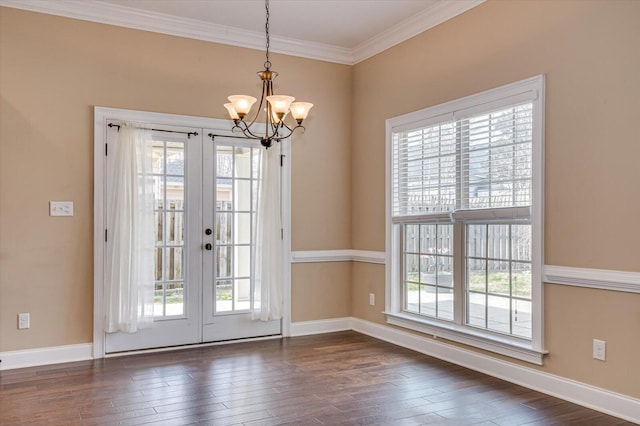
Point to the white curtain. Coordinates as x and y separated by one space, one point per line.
268 255
130 224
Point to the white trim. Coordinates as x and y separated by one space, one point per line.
192 346
313 256
321 256
304 328
45 356
368 256
603 279
470 337
123 16
285 327
583 394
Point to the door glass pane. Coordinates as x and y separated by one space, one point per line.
243 261
174 261
224 161
243 195
242 293
223 228
158 300
224 194
159 227
223 262
174 299
243 162
243 228
175 228
224 296
158 263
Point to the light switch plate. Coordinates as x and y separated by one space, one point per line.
60 208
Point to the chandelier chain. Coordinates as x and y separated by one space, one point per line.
267 64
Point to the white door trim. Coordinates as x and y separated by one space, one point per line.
101 116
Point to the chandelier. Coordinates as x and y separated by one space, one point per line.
276 108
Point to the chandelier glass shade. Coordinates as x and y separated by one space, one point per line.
276 108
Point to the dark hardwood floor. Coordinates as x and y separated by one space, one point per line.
332 379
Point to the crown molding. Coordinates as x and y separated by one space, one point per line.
438 13
122 16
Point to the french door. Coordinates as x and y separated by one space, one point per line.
229 211
204 209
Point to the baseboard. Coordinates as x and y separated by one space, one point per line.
602 400
303 328
45 356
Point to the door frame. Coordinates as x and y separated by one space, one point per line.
101 116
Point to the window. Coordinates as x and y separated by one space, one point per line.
464 219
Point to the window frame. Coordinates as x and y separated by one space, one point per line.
531 89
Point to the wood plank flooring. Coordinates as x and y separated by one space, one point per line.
332 379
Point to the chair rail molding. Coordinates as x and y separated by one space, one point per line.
313 256
603 279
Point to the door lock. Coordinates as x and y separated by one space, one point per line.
208 246
208 231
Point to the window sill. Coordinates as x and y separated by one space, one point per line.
477 339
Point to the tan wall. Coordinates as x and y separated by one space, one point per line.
52 72
320 290
588 51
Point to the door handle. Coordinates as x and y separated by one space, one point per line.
208 246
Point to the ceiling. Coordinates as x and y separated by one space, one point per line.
343 31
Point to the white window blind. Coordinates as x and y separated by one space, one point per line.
483 161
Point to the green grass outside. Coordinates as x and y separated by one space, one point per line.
498 283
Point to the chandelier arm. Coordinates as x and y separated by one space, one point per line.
279 138
246 130
288 128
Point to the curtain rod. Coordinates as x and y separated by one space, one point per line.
157 130
213 136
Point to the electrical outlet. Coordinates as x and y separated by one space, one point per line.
599 349
24 321
60 208
372 299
